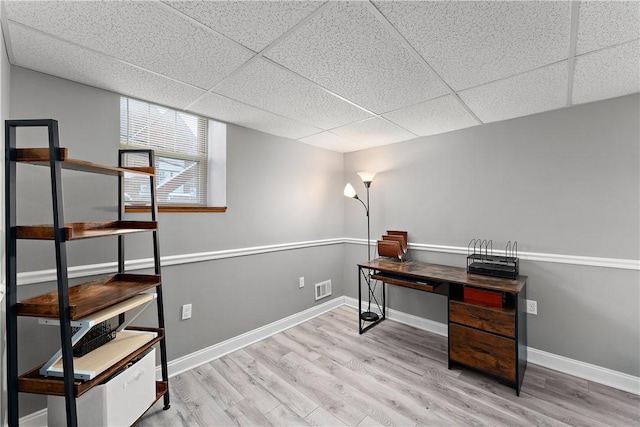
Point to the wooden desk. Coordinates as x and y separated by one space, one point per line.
492 340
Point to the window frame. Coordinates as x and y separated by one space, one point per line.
214 161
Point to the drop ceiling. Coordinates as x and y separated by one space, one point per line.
344 75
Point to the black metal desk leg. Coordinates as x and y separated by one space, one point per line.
359 298
367 317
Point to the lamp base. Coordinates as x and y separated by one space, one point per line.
369 316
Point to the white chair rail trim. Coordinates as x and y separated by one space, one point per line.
42 276
620 263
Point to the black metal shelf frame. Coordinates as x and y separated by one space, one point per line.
66 333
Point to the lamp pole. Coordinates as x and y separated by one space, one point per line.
367 185
368 316
349 191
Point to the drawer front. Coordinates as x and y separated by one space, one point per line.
483 351
492 320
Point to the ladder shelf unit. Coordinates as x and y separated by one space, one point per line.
76 309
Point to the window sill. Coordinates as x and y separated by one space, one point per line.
176 209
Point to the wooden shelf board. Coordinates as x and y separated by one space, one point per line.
102 358
33 382
415 284
161 389
40 157
85 230
91 297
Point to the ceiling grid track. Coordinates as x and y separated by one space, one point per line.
573 42
5 33
260 54
393 30
106 55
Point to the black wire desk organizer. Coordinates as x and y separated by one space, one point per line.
481 260
97 336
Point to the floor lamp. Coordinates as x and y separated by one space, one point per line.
349 191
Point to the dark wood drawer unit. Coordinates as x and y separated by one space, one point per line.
491 319
486 352
492 340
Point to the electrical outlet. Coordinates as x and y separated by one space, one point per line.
186 311
302 282
532 306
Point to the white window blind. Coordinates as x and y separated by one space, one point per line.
179 141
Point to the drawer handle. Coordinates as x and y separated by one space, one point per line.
473 316
479 350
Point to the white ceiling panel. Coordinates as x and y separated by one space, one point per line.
432 117
607 73
373 132
230 111
146 34
270 87
347 50
343 75
470 43
540 90
606 23
253 24
331 141
41 53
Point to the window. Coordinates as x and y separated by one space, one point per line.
183 154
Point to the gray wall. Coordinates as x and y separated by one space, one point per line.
278 191
564 182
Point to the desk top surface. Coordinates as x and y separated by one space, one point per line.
445 273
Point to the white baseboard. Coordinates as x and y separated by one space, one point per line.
200 357
215 351
573 367
36 419
408 319
587 371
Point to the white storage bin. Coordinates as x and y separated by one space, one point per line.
119 402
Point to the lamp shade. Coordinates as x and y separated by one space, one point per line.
367 176
349 191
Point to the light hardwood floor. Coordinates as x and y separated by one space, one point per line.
322 373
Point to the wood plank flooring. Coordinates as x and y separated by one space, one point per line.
323 373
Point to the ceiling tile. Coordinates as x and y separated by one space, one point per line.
230 111
331 141
270 87
143 33
254 24
432 117
605 23
471 43
373 132
529 93
347 50
607 73
38 52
